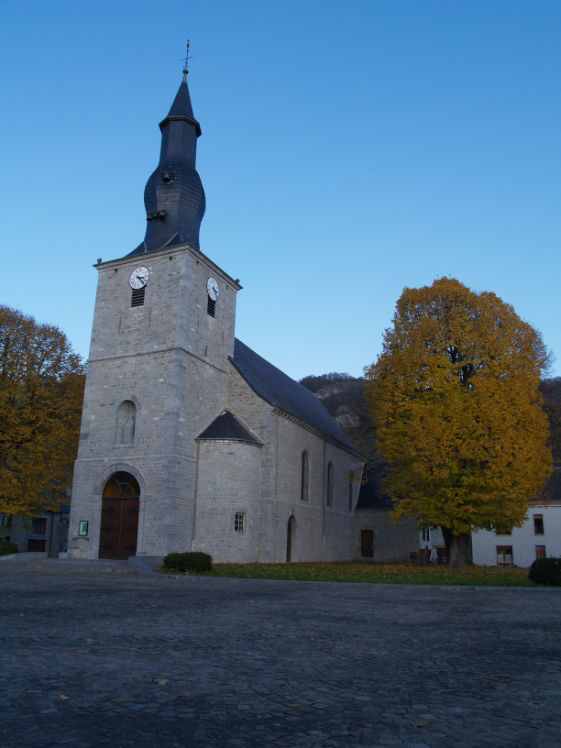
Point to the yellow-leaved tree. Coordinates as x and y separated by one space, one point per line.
41 390
458 411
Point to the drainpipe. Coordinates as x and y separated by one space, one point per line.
195 497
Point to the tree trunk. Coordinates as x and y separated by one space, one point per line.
457 548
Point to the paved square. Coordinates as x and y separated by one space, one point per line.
95 657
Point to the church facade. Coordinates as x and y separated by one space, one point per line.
189 439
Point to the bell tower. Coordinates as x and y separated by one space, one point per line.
174 195
157 371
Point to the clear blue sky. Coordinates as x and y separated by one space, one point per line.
349 149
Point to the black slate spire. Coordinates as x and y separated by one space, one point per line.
174 195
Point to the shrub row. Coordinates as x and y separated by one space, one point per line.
546 571
195 561
7 548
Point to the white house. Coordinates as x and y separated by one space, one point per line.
539 536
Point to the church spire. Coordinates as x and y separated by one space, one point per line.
174 195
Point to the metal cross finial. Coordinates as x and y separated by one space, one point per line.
186 62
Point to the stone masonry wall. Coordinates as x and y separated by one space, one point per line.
391 542
321 533
229 482
169 358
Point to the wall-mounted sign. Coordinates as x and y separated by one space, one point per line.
83 528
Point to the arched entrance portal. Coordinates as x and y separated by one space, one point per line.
119 517
290 537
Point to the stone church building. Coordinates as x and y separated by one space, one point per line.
189 439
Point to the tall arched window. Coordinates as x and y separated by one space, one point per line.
329 491
305 477
126 422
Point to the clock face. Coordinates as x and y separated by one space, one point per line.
212 288
139 277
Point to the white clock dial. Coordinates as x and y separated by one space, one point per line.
212 288
139 277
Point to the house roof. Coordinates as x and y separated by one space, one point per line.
226 426
282 392
552 491
371 495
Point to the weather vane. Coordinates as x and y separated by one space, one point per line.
186 61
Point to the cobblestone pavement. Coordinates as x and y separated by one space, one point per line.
94 657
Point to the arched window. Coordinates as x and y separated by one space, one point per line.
305 477
126 422
329 491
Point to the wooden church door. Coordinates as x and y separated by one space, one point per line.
119 517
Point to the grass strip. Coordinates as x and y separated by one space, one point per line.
477 576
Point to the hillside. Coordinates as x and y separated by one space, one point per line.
343 397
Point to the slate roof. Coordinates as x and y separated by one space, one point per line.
282 392
371 494
182 107
227 426
552 491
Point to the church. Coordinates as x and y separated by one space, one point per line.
189 439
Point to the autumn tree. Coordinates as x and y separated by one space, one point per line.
458 411
41 388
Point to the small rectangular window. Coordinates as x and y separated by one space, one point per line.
538 524
239 522
137 298
540 551
504 555
211 307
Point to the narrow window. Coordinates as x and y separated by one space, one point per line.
304 477
137 298
504 555
239 522
329 495
538 524
540 551
211 307
350 506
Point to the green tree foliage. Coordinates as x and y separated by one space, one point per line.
458 412
41 389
